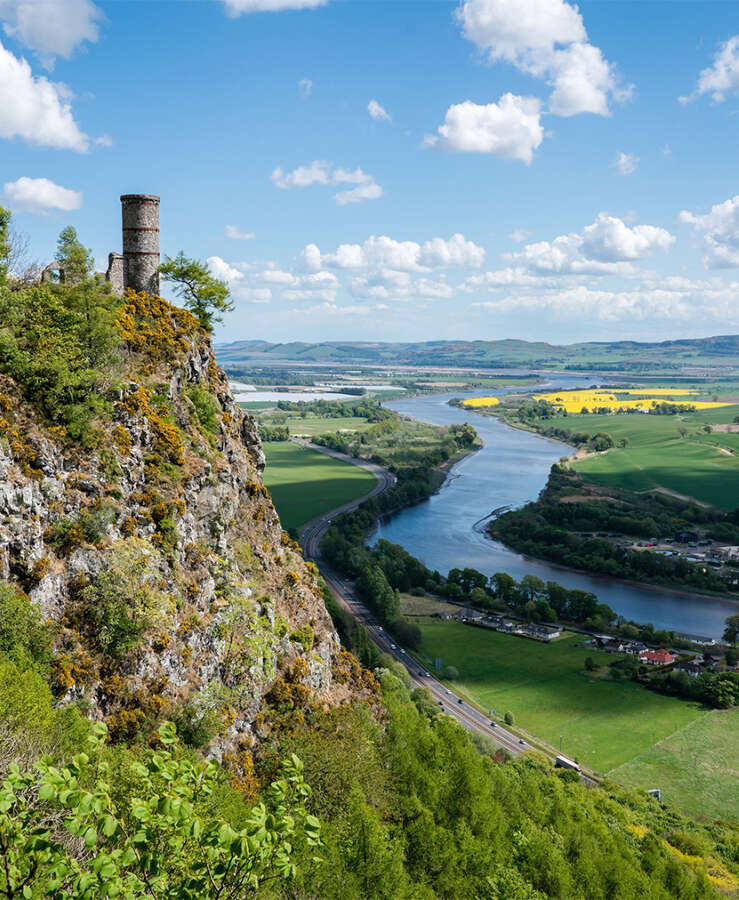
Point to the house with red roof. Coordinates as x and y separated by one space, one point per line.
659 657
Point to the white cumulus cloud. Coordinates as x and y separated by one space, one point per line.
36 109
389 284
40 196
381 252
683 301
508 129
546 39
236 234
377 111
238 7
366 189
626 163
457 251
722 77
221 269
606 247
305 87
51 27
325 173
720 231
316 173
278 277
253 282
379 269
246 294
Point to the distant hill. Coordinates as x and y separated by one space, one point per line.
719 352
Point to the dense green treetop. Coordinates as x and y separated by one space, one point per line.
75 260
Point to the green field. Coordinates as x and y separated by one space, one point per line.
305 483
321 425
699 465
696 768
602 723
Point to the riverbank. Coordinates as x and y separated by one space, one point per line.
588 527
646 586
511 470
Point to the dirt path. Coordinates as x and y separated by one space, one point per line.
684 497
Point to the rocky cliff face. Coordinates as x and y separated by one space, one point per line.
156 550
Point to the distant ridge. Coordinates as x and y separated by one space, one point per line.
719 352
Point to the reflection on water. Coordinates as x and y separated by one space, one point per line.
510 470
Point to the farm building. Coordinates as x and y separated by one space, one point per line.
690 667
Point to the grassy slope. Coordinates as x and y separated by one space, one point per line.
603 723
305 483
657 456
696 767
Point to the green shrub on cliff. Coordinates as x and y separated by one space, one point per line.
123 602
58 341
24 636
206 409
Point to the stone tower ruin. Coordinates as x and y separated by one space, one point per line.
138 266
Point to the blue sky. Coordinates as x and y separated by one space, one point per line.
530 169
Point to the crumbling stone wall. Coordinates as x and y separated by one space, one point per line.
115 272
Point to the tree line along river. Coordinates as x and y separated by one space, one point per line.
510 470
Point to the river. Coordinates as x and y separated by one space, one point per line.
510 470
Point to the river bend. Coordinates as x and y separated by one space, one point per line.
510 470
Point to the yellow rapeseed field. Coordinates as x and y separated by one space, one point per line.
657 392
482 401
576 401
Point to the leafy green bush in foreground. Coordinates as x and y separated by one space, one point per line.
63 835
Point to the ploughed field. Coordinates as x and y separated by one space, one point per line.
305 483
602 723
699 465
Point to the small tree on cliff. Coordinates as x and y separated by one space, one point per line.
203 294
74 258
